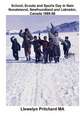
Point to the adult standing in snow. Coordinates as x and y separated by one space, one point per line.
27 37
53 37
50 50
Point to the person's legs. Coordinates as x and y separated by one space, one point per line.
36 56
29 52
15 54
39 55
55 54
58 58
55 59
25 51
50 55
67 51
17 58
64 52
45 56
58 53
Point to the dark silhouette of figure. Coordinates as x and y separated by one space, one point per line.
45 45
37 48
66 46
50 50
27 37
15 47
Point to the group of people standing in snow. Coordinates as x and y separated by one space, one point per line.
50 46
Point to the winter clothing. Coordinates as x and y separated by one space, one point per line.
50 51
37 50
56 48
27 37
66 46
45 45
56 53
15 47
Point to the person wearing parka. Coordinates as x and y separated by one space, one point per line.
66 46
15 47
27 37
37 48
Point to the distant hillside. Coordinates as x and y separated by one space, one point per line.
65 27
68 27
13 32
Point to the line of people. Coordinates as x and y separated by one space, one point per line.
50 46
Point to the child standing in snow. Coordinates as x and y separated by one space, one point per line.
45 45
37 48
15 47
66 46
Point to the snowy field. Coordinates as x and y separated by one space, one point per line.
30 84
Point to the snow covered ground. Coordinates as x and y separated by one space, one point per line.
29 84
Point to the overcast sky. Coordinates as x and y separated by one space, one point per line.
17 22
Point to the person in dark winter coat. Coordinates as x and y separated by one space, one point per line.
27 37
50 50
47 49
15 47
66 46
45 45
37 48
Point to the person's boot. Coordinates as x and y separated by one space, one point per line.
16 58
66 56
29 58
26 58
36 61
50 59
58 59
55 60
